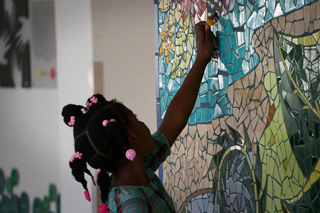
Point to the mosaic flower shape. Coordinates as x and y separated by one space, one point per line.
184 45
167 43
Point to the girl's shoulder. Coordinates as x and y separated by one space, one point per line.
128 198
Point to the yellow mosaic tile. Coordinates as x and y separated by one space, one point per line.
285 164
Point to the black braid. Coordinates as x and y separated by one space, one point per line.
104 183
79 166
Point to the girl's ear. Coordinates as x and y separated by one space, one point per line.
133 143
131 137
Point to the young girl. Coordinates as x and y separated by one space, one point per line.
109 137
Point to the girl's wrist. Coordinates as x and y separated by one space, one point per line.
202 61
200 64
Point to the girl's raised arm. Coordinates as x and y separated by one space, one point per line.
180 108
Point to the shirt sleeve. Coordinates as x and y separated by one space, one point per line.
128 201
162 151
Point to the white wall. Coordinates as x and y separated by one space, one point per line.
123 35
29 139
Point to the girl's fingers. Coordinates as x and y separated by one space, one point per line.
214 15
201 24
199 28
211 19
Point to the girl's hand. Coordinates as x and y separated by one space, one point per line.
204 37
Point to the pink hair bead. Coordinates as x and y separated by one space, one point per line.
105 122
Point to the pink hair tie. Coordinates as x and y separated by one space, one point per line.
75 155
94 100
103 208
88 104
87 195
105 122
78 155
72 121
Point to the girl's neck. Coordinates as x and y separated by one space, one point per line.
133 173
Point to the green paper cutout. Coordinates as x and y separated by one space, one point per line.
58 203
5 204
52 192
2 181
9 185
46 205
37 206
24 203
14 177
14 204
11 203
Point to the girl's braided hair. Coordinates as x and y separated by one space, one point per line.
102 147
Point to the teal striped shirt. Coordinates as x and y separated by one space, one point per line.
149 198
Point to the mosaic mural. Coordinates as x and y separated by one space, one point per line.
252 143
